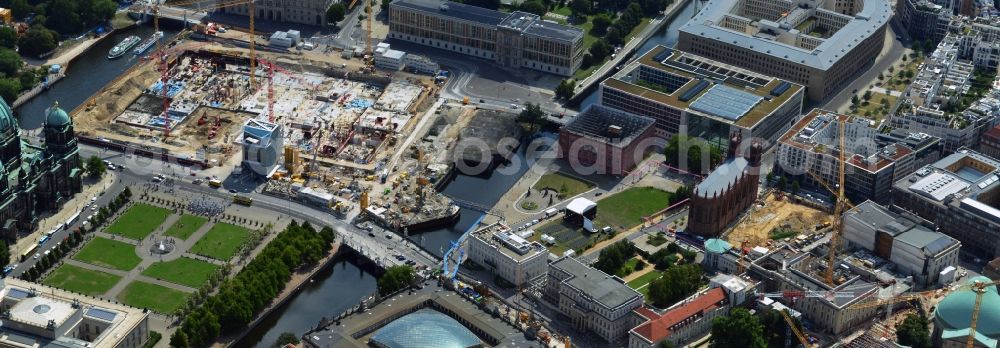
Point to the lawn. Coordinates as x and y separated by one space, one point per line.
109 253
625 209
185 226
183 271
628 267
641 284
139 221
566 185
157 298
81 280
221 242
875 110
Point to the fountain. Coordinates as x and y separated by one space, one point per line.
162 247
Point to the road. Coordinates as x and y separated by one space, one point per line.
889 56
380 248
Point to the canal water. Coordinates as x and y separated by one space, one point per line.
85 76
667 36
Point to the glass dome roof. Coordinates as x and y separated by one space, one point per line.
425 328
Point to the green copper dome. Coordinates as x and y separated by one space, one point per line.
7 121
954 312
56 116
717 246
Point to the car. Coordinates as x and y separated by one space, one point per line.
410 262
388 236
93 207
194 174
482 101
196 181
598 194
899 37
93 199
371 234
111 167
36 256
232 191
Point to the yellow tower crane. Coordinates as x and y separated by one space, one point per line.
838 207
795 329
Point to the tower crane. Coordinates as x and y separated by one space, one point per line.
369 53
838 207
795 329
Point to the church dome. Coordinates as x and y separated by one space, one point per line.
954 312
7 121
56 116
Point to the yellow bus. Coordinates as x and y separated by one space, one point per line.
242 200
28 252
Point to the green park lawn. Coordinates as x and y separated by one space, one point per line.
566 185
183 271
221 242
185 226
874 109
625 209
155 297
139 221
81 280
109 253
641 284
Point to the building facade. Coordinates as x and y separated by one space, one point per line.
36 178
989 143
682 323
923 19
39 316
311 12
961 195
607 140
703 98
514 40
592 300
874 161
729 190
820 44
508 255
909 242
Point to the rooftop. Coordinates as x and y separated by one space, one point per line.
703 86
724 175
904 229
659 328
609 125
608 291
524 22
818 132
708 23
503 239
966 179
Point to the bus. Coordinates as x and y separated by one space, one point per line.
216 183
28 252
242 200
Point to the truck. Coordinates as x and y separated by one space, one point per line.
551 212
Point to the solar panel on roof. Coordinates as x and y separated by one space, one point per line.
663 55
102 314
693 91
781 88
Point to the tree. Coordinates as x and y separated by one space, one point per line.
855 100
581 8
385 4
4 252
614 36
20 8
795 187
677 283
8 37
532 115
867 96
613 257
782 182
9 89
95 167
37 40
565 89
600 50
10 62
68 19
913 332
335 13
534 6
738 329
600 23
692 154
287 338
395 278
666 344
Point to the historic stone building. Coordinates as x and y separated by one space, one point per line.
729 190
35 178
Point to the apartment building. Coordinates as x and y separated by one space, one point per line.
874 161
703 98
820 44
923 19
989 143
932 104
312 12
906 240
508 255
514 40
961 195
682 323
593 300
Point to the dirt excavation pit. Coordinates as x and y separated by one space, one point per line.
757 224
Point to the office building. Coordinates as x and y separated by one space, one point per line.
311 12
36 178
36 315
608 140
820 44
514 40
961 195
874 161
936 103
418 64
989 143
730 189
703 98
923 19
592 300
508 255
906 240
682 323
262 145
